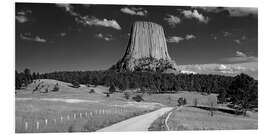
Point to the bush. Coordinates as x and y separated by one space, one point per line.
181 101
46 90
112 89
138 98
92 91
55 88
126 95
75 84
184 102
195 101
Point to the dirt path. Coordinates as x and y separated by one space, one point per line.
138 123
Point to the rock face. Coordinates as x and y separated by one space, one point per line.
146 50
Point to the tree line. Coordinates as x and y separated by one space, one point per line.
227 87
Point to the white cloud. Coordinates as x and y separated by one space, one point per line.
240 57
63 34
243 37
134 11
106 37
93 21
23 16
226 34
174 39
196 15
172 20
90 21
250 68
233 11
241 11
177 39
240 54
237 41
21 19
190 36
35 38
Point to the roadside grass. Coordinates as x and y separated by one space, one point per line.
159 124
190 118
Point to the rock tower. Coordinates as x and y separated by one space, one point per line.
146 50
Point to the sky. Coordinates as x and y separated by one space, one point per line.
72 37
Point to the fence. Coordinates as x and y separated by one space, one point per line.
59 121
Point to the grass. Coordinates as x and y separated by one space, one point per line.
159 124
72 109
191 118
171 99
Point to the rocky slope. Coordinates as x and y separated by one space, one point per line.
146 50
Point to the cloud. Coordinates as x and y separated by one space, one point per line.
233 11
237 41
21 19
23 16
63 34
28 36
190 36
134 11
241 11
240 54
89 21
172 20
240 57
107 37
93 21
189 14
226 34
174 39
177 39
250 68
243 37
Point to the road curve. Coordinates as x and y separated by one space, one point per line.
138 123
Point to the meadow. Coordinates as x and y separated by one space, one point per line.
72 109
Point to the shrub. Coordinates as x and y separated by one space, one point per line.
181 101
55 88
138 98
126 95
92 91
184 101
195 101
75 84
112 89
46 90
211 103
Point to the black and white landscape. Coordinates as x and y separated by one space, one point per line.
91 67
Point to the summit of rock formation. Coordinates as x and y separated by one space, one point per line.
146 50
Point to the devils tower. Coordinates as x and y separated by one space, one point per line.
146 50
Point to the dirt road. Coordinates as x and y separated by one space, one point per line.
138 123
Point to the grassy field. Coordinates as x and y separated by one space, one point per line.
192 118
72 109
171 99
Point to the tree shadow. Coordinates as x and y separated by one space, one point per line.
224 110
